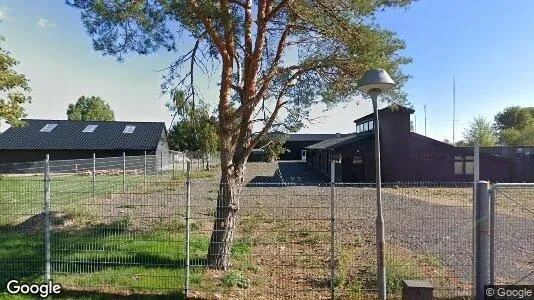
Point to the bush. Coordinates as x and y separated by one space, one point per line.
274 149
235 279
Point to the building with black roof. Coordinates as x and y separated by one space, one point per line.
63 139
296 143
405 155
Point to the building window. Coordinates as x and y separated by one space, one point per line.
365 126
464 165
357 160
90 128
48 127
129 129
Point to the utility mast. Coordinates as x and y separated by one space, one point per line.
425 119
453 108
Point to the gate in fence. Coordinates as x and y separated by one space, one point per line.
512 234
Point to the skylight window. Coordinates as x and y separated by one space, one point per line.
90 128
48 127
129 129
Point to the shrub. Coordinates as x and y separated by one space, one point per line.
235 279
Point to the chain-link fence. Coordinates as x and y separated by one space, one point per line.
172 161
512 234
125 233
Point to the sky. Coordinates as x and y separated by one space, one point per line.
485 45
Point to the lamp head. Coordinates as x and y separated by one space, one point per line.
377 80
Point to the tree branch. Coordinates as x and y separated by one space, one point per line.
210 28
276 9
239 3
261 134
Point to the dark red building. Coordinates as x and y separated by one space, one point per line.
405 155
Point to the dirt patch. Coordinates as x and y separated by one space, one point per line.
58 222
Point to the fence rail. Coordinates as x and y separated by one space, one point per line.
150 234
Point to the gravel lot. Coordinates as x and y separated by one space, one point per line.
422 227
443 231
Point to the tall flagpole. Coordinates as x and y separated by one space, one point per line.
425 118
453 108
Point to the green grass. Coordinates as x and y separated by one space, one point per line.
92 255
22 196
194 175
108 258
103 257
234 279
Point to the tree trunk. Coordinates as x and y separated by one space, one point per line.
222 236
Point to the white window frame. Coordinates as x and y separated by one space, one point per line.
463 161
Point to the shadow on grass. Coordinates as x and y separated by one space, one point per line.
69 294
105 254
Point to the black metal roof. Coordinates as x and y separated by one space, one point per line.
338 142
457 150
69 135
390 108
311 137
305 137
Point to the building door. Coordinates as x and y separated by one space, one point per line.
353 168
357 168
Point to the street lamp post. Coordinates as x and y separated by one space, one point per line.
373 83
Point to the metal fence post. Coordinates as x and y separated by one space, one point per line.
476 178
183 160
47 217
187 228
492 235
94 175
482 238
332 230
173 176
144 173
161 161
123 172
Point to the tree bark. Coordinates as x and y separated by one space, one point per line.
222 236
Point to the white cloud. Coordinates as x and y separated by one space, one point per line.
45 23
4 13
